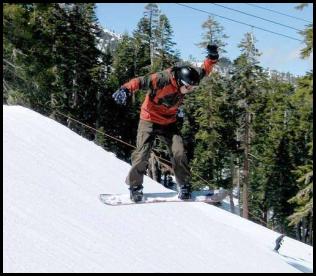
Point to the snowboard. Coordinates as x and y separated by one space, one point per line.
208 196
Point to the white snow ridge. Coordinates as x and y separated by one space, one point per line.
54 222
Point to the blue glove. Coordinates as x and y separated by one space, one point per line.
120 96
180 112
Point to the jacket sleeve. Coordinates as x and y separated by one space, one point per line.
145 83
207 67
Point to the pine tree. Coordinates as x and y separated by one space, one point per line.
207 119
57 58
271 156
247 75
78 68
302 217
167 55
123 60
308 39
142 63
152 14
304 199
301 126
153 42
29 70
213 35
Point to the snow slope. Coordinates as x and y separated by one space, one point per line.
54 222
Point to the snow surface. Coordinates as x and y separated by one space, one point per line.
54 222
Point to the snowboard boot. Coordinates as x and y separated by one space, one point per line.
185 192
136 193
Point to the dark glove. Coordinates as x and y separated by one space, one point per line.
212 52
120 96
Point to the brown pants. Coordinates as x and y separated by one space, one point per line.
146 135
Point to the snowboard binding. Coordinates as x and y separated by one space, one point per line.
136 193
185 192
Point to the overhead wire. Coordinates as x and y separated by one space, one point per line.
273 11
268 20
240 22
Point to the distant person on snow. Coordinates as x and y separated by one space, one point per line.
158 117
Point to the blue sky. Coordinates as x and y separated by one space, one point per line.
278 52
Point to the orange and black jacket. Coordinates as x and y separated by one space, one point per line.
163 97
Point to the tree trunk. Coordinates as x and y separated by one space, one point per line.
298 231
246 167
237 168
311 231
232 171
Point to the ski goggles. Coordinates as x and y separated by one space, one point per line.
187 85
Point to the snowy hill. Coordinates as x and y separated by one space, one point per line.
107 40
54 222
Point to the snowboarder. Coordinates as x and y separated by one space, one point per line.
278 243
158 117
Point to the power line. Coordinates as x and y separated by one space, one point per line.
290 37
259 7
271 21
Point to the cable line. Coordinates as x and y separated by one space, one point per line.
163 161
257 6
290 37
271 21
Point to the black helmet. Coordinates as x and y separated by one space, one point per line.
187 75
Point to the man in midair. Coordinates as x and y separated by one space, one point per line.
158 117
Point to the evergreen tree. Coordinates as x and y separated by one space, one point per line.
142 48
303 215
308 39
167 55
246 79
153 42
123 60
271 156
209 132
213 35
58 58
302 100
28 64
152 13
301 125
